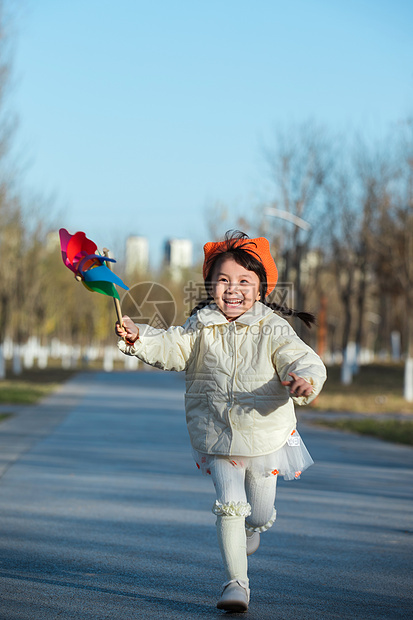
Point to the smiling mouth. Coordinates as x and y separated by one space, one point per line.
233 302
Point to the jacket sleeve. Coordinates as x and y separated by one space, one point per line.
291 354
166 349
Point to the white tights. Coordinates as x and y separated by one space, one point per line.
245 500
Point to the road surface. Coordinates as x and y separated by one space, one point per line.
104 515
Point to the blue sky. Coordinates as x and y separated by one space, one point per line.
137 116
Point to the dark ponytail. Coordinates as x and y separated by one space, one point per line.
307 317
204 302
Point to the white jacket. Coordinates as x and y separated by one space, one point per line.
235 403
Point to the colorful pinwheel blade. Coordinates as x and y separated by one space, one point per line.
74 248
103 274
106 288
79 255
65 237
78 245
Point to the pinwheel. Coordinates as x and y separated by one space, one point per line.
79 254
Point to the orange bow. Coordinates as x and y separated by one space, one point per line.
259 248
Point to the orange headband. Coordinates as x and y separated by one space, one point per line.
261 251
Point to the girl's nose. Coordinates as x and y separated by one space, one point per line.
232 287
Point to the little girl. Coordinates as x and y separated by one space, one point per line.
245 368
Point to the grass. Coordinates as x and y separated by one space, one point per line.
377 388
32 385
397 431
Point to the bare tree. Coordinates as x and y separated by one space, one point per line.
372 172
10 208
396 243
299 165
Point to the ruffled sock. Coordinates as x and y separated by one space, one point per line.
233 546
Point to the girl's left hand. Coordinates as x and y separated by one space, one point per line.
298 386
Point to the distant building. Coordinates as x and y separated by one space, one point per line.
52 241
137 254
178 256
309 264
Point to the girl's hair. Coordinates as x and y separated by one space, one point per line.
250 260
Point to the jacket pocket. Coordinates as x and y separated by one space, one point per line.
264 405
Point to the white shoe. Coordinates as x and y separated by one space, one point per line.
235 596
253 542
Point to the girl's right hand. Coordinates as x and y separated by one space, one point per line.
298 386
129 332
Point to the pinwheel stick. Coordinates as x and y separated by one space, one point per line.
116 301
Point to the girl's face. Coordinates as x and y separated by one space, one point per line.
234 288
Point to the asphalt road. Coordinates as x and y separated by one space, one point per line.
103 514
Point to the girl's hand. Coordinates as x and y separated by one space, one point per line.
129 332
298 386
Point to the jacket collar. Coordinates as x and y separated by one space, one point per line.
210 315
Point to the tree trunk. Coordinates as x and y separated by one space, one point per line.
4 314
298 293
408 369
361 297
322 328
346 367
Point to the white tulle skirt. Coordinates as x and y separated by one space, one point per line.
289 461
